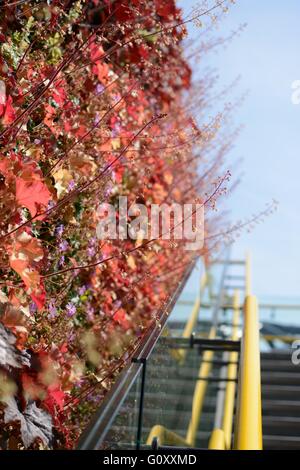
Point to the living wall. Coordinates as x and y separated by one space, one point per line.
96 102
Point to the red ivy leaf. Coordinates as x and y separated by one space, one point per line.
55 397
8 112
24 254
165 8
32 194
121 317
59 95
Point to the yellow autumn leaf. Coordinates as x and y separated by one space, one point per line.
62 179
116 143
131 262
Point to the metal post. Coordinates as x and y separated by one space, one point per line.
248 425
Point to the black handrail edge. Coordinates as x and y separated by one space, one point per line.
94 434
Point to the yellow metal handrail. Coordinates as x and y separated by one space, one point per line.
192 321
248 425
160 432
217 440
221 438
231 375
164 435
199 393
282 338
193 318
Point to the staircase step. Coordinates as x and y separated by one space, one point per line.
280 392
277 355
279 442
286 426
279 365
280 378
281 408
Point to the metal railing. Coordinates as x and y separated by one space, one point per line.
243 368
163 436
221 437
193 318
232 375
248 421
248 426
94 435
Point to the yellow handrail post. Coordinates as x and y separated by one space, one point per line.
199 393
248 426
193 318
164 436
217 440
190 325
231 375
248 420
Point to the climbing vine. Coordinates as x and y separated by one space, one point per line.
96 102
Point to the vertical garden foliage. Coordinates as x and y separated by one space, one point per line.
95 103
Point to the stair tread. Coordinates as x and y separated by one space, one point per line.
282 419
278 437
295 388
279 442
280 374
282 403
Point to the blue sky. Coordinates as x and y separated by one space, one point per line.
266 55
